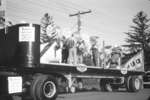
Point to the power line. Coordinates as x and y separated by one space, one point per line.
27 11
74 4
100 13
45 6
64 5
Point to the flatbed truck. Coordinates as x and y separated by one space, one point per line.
22 74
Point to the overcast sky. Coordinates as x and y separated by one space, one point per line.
109 18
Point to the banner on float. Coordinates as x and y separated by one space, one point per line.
136 62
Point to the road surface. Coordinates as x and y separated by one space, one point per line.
142 95
98 95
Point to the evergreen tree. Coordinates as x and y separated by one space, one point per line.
46 21
139 35
49 32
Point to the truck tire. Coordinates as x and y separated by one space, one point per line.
134 84
44 87
105 85
33 86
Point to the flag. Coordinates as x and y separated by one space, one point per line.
136 63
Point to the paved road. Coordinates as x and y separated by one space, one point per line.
142 95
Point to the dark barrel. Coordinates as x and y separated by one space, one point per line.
2 47
21 47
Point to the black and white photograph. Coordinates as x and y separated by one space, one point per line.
74 49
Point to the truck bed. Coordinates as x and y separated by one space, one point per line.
75 70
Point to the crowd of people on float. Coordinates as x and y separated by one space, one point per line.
75 51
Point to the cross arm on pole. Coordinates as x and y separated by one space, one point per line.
79 13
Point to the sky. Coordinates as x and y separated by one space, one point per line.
109 19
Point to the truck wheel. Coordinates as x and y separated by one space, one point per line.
105 85
134 84
33 86
44 88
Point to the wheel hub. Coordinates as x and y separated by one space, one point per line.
137 84
49 89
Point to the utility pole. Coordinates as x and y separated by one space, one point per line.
78 14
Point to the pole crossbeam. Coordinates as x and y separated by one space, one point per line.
78 14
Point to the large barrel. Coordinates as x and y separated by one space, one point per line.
22 46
